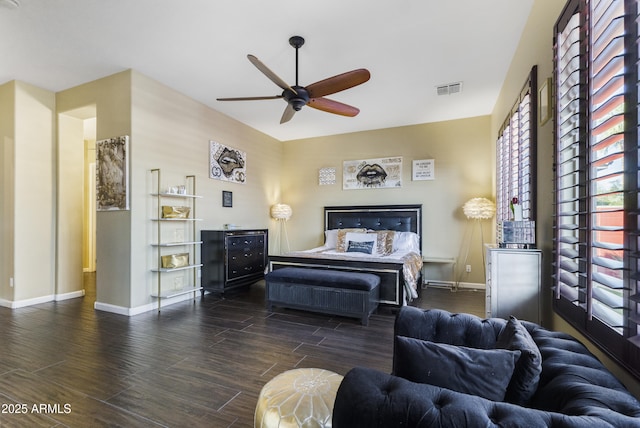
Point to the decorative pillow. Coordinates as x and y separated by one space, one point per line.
360 247
406 241
385 241
331 238
481 372
341 243
355 237
514 336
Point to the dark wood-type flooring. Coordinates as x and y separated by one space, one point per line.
196 364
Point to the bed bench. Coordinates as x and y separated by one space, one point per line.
334 292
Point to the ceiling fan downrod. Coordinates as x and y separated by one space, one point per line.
296 42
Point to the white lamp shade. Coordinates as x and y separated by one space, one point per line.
479 209
281 212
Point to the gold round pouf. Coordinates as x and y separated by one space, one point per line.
298 398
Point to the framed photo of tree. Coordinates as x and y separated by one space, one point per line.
112 174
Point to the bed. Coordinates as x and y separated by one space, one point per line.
399 271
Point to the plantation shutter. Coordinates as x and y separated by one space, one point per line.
606 163
570 191
516 154
597 216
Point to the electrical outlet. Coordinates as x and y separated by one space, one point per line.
11 282
468 268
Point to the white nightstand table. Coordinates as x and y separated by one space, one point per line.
438 282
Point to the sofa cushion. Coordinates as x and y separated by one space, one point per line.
437 325
482 372
514 336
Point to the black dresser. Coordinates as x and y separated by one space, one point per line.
232 258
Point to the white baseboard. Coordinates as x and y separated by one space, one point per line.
67 296
121 310
15 304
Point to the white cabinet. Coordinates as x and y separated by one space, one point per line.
513 283
175 244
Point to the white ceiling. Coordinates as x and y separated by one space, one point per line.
199 48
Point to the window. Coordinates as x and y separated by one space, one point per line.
516 155
596 221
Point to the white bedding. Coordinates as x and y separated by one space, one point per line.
411 262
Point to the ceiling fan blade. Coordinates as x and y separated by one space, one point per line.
288 114
338 83
270 74
332 106
274 97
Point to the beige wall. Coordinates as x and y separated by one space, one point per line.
463 169
28 217
171 131
112 99
7 136
536 48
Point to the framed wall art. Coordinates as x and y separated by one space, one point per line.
227 199
327 176
226 163
424 169
112 174
372 173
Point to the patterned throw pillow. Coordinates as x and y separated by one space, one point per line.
354 238
385 241
366 247
341 244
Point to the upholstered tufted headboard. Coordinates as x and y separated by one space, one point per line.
401 218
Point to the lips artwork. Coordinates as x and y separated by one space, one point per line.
226 163
372 173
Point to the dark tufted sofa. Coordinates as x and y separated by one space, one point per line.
573 389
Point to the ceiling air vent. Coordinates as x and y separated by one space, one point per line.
449 88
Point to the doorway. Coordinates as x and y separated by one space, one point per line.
76 216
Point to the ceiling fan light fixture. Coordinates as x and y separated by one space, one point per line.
312 95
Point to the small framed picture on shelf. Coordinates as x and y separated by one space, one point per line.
227 199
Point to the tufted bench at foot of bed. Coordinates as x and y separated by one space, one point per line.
349 294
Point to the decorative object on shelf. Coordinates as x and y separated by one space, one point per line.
172 261
227 199
372 173
516 209
226 163
517 234
424 169
281 213
177 274
112 174
327 176
476 209
169 211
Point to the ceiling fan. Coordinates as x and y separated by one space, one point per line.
312 95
